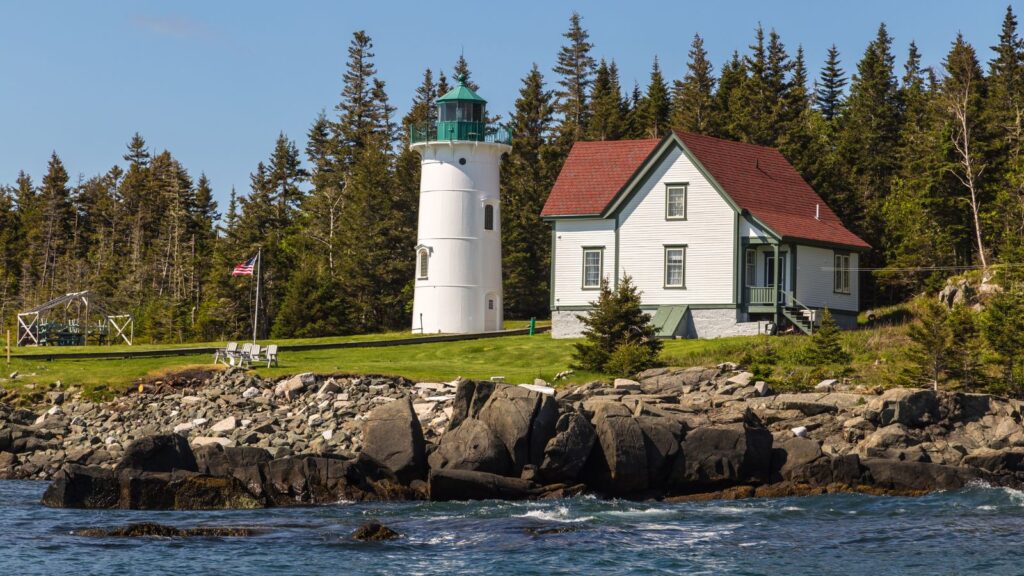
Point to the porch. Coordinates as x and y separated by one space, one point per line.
767 280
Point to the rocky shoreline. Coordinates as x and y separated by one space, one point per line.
236 440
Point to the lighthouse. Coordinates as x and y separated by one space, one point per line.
458 248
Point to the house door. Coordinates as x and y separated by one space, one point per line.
769 271
491 308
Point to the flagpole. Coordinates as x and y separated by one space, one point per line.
256 313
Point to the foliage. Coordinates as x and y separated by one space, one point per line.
629 358
1003 328
826 347
932 342
760 358
614 319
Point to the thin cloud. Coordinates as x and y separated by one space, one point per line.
173 26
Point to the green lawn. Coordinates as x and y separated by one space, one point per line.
877 353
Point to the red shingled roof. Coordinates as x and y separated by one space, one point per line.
593 174
757 178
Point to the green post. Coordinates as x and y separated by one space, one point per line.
533 325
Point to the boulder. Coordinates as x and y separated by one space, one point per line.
374 531
618 463
721 456
392 435
566 452
164 453
661 443
793 453
470 397
1006 460
226 425
523 420
448 485
916 477
471 446
910 407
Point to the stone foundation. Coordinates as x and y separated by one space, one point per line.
565 324
718 323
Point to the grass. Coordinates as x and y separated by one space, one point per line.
877 354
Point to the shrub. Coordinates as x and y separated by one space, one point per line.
760 358
1003 327
965 347
616 318
630 358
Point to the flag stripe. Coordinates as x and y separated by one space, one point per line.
245 268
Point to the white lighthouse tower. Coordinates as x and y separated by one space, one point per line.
458 252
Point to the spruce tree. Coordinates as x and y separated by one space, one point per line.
829 95
1003 328
826 347
607 109
932 341
964 361
575 69
527 174
693 97
727 105
653 108
462 72
615 320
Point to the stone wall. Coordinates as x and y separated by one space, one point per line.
565 324
717 323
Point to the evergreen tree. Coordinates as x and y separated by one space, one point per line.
826 347
693 97
932 341
654 107
607 109
359 113
828 96
575 69
964 360
527 175
50 241
462 72
868 141
727 105
1003 327
615 320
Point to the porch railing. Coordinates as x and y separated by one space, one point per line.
761 295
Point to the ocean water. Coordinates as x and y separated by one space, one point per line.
979 530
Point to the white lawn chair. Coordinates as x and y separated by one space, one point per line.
224 354
272 355
254 354
241 358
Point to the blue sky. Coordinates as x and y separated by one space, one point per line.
215 82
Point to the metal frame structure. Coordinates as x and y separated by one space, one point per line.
76 308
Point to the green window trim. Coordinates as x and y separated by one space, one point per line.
599 250
841 273
672 208
681 263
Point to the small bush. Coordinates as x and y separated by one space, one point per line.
630 358
826 347
760 358
616 319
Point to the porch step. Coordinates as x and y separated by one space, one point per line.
800 317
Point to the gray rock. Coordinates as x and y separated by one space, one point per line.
392 435
164 453
717 457
567 451
509 413
471 446
448 485
618 463
913 408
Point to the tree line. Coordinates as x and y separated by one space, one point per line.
923 163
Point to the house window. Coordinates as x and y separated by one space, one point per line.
841 278
592 267
489 217
750 261
424 263
675 266
675 202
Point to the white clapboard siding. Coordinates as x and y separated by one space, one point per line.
814 279
571 236
750 230
709 233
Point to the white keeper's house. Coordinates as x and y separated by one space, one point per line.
723 238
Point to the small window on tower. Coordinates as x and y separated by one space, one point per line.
489 217
424 263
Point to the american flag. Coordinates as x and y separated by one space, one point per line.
245 268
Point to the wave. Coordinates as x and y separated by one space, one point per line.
558 514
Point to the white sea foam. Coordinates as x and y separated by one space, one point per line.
559 514
642 512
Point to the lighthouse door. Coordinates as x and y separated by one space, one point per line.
491 308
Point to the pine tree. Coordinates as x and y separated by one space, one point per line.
964 360
286 174
932 341
829 95
868 141
50 241
615 320
527 175
654 107
826 347
607 109
693 97
1003 327
462 72
727 105
575 69
358 112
